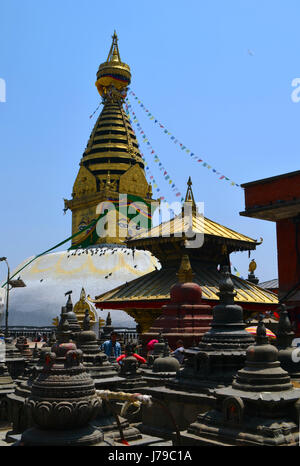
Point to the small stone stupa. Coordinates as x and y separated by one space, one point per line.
104 332
63 399
72 319
258 409
94 360
7 386
285 336
23 346
185 317
14 360
222 349
163 369
129 371
158 350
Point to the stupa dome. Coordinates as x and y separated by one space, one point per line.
187 293
166 364
49 277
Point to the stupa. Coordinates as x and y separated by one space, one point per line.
258 409
24 348
186 317
285 336
7 386
14 360
164 368
129 372
222 349
94 360
214 363
72 319
80 308
111 170
158 349
104 332
63 399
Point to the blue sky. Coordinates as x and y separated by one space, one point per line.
191 67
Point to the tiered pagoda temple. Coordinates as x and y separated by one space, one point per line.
144 297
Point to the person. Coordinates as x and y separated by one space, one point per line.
112 347
139 358
179 352
150 346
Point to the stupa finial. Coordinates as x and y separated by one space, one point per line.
114 54
86 321
284 325
63 330
261 334
69 305
113 72
108 319
185 273
226 287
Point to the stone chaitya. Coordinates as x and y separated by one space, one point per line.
7 385
94 360
17 413
163 369
129 372
285 336
158 350
104 332
63 400
222 349
259 408
14 360
221 352
72 319
185 317
23 346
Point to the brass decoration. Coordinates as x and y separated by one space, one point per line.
252 266
85 183
113 72
185 273
81 306
134 182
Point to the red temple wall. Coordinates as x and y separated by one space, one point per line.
285 189
288 265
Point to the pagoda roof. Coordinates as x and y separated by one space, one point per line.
270 284
174 227
155 286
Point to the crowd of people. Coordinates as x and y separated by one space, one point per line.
112 349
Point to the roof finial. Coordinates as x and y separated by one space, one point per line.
189 197
114 54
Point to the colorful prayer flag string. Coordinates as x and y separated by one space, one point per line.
133 119
176 141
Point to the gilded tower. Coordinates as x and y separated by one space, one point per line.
111 164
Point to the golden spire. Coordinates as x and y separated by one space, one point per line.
111 163
185 273
113 76
189 197
114 54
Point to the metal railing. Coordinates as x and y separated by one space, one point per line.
127 334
